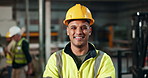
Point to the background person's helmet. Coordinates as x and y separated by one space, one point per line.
78 12
7 35
14 30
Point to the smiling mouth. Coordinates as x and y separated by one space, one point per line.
78 38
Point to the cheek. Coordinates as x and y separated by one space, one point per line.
70 33
67 33
87 32
16 38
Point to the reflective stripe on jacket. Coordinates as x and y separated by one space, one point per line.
10 48
19 56
87 70
8 59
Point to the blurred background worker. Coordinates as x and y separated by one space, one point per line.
8 53
79 58
21 54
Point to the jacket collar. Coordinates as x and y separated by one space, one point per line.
92 51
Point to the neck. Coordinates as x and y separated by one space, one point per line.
79 51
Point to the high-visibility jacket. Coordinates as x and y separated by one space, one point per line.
9 57
98 65
19 56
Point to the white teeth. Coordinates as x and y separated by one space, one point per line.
78 37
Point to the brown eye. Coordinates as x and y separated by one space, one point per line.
73 28
84 27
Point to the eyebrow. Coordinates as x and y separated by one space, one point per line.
76 25
87 20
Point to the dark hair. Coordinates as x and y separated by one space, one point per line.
87 20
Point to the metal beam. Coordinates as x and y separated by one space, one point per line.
27 19
41 33
48 29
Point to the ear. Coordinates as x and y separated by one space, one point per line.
90 31
67 31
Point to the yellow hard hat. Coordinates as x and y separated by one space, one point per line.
7 35
78 12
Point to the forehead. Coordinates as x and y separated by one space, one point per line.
78 22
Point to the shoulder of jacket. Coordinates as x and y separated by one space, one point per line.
105 55
56 53
102 52
99 52
59 51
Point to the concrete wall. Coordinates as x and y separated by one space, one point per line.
6 19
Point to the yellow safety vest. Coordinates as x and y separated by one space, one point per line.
100 66
8 59
19 56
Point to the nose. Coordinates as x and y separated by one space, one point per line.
78 31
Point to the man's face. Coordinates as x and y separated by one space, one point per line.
78 32
16 37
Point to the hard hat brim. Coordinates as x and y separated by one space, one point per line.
66 22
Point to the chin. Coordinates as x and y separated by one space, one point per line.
79 45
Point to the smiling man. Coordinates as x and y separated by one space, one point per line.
78 32
79 58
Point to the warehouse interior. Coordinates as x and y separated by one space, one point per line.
120 30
